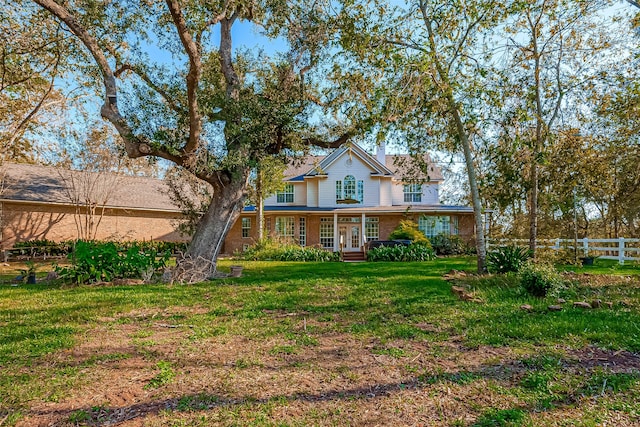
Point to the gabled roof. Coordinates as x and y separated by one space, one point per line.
46 184
401 167
353 149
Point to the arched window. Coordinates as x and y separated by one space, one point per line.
349 187
349 190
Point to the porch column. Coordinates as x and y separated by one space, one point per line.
336 233
363 237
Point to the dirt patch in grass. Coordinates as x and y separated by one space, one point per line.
322 378
620 361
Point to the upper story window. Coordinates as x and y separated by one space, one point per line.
349 190
286 195
413 193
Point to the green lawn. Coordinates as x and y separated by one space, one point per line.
323 344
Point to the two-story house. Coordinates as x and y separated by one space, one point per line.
342 200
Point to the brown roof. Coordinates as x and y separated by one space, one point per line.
406 167
302 166
45 184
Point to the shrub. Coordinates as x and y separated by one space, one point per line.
97 261
44 247
274 250
507 259
408 230
413 252
539 279
449 244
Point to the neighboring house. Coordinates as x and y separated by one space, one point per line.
36 204
342 200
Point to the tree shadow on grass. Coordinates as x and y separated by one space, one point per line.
515 374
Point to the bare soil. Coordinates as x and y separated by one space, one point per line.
339 380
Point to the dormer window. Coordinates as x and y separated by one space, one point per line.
413 193
349 191
286 195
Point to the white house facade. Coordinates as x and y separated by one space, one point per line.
349 197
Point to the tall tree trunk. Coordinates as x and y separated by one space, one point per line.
473 187
260 207
461 133
533 205
199 263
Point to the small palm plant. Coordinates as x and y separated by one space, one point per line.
507 259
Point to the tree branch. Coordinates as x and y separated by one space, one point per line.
317 142
193 77
38 106
145 77
136 146
634 3
226 62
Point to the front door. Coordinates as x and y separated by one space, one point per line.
350 238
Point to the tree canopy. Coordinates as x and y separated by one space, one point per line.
176 87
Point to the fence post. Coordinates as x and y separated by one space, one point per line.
621 251
585 246
557 246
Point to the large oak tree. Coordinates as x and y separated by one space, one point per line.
201 103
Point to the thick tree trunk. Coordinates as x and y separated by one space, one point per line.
199 263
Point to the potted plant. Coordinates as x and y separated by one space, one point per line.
236 271
588 259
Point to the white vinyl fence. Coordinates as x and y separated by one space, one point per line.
620 249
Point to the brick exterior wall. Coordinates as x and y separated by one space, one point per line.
24 221
386 224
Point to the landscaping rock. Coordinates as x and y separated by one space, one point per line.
464 295
458 290
554 308
582 304
52 275
609 304
561 301
120 282
454 274
526 307
596 303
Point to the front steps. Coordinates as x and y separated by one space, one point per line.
353 257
